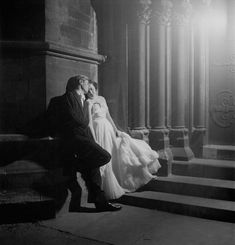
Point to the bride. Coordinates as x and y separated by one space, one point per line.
133 161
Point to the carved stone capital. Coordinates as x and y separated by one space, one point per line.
182 13
163 13
144 11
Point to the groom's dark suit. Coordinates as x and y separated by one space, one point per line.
67 120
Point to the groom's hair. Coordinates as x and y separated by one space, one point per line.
74 82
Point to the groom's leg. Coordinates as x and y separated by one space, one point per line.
76 191
90 157
92 180
90 154
84 156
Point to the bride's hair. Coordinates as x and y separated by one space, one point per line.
94 83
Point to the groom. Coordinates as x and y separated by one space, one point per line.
67 120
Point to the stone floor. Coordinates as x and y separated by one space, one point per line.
131 225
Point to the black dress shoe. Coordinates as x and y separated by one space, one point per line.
107 207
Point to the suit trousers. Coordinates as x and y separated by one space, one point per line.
85 156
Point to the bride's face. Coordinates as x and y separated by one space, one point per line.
91 91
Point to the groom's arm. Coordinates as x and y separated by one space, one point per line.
74 113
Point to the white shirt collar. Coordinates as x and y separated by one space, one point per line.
81 95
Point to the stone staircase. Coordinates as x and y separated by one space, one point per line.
33 190
26 184
201 187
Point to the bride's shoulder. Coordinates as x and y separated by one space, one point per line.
101 99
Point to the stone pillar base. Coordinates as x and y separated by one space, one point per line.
159 141
197 141
159 138
142 134
179 142
165 159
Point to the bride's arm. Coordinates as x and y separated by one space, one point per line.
108 116
90 124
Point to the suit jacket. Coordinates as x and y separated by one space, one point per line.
66 117
67 120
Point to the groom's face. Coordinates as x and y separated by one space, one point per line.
85 86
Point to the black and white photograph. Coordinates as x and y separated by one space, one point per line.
117 122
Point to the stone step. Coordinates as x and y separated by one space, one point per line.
181 204
20 147
27 174
226 152
21 174
25 205
194 186
205 168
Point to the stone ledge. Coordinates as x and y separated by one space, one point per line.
206 168
223 152
54 49
15 147
13 137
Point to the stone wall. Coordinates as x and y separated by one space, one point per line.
72 23
43 43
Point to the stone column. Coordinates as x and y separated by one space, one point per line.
112 41
200 69
159 134
147 65
168 76
137 69
179 139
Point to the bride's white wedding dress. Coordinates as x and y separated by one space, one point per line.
133 161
